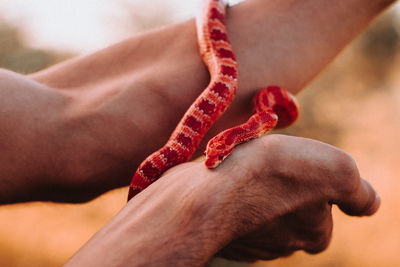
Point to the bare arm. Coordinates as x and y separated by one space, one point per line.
117 105
261 204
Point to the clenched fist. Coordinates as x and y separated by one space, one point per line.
271 197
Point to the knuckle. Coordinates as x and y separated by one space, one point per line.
346 164
320 244
320 238
347 173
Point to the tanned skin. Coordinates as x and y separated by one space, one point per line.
80 128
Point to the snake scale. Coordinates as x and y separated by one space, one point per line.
273 106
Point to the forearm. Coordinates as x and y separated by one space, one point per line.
286 43
272 40
175 223
30 137
116 106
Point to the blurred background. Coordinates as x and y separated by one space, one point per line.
354 105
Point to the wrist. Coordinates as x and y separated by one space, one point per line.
173 222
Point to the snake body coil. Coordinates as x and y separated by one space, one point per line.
269 104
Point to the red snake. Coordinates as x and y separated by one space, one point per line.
269 104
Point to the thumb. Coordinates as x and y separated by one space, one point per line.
364 201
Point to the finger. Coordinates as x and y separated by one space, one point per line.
252 254
360 201
321 236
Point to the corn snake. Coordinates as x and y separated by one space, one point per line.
273 106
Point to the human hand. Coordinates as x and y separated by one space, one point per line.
270 197
322 176
308 228
78 129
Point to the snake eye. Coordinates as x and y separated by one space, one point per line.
221 156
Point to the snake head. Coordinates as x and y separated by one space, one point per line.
217 150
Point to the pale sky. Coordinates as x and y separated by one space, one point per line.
81 26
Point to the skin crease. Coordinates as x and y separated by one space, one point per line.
72 132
